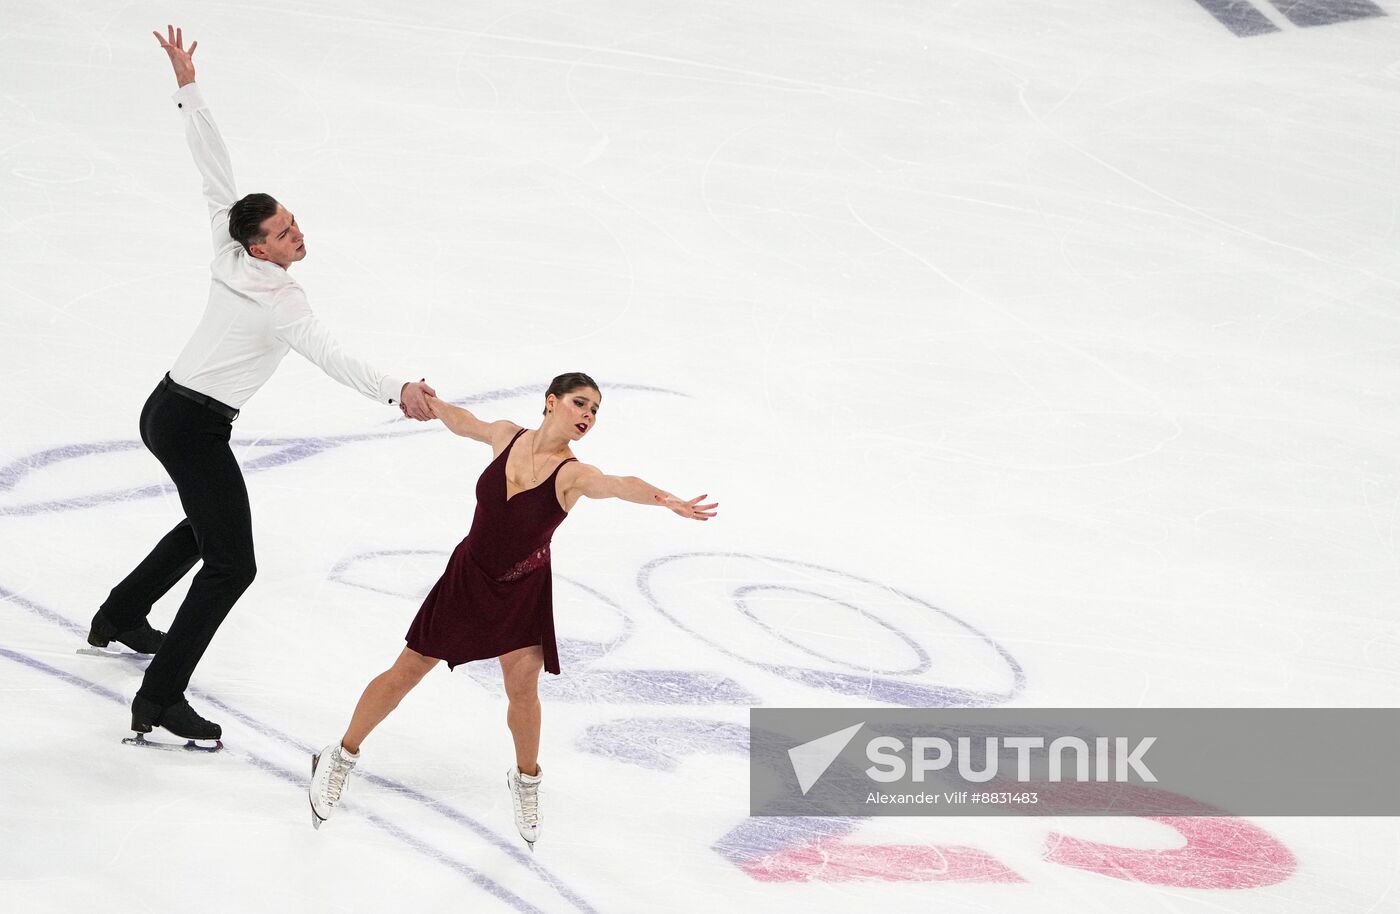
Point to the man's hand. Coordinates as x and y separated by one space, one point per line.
180 59
413 400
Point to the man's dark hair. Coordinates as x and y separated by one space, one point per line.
245 219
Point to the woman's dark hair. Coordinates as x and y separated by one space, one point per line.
245 219
572 380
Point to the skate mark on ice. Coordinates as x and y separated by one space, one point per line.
297 778
659 743
282 452
508 847
63 675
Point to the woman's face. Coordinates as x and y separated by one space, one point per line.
578 409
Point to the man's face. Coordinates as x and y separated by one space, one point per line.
285 243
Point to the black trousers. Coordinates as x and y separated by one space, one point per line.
191 442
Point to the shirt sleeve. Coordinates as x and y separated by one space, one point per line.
296 325
211 157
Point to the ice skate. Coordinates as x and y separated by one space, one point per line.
525 797
329 771
180 719
141 640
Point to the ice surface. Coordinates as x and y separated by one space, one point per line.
1038 354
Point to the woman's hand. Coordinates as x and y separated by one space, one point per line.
691 509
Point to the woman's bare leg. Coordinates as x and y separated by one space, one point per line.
384 693
521 671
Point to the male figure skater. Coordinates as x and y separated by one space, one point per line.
256 312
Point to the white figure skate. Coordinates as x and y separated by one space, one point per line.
329 771
525 797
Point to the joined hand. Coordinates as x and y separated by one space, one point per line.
413 400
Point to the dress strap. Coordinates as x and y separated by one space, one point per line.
504 455
560 467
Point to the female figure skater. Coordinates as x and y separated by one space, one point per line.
494 599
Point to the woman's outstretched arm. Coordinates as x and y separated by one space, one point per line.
591 482
463 422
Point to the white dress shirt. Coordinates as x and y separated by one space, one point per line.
256 311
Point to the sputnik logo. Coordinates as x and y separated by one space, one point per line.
810 760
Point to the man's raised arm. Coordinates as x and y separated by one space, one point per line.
202 134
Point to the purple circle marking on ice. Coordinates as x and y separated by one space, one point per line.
880 688
741 601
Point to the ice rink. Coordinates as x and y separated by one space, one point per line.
1038 354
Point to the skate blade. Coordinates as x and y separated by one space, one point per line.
315 819
139 739
90 651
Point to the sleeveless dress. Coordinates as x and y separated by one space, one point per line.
496 594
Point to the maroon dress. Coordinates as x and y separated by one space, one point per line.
496 594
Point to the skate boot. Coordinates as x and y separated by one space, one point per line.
525 797
179 719
329 771
142 639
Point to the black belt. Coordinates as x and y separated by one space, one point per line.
223 409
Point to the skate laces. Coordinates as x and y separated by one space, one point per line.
528 796
340 770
